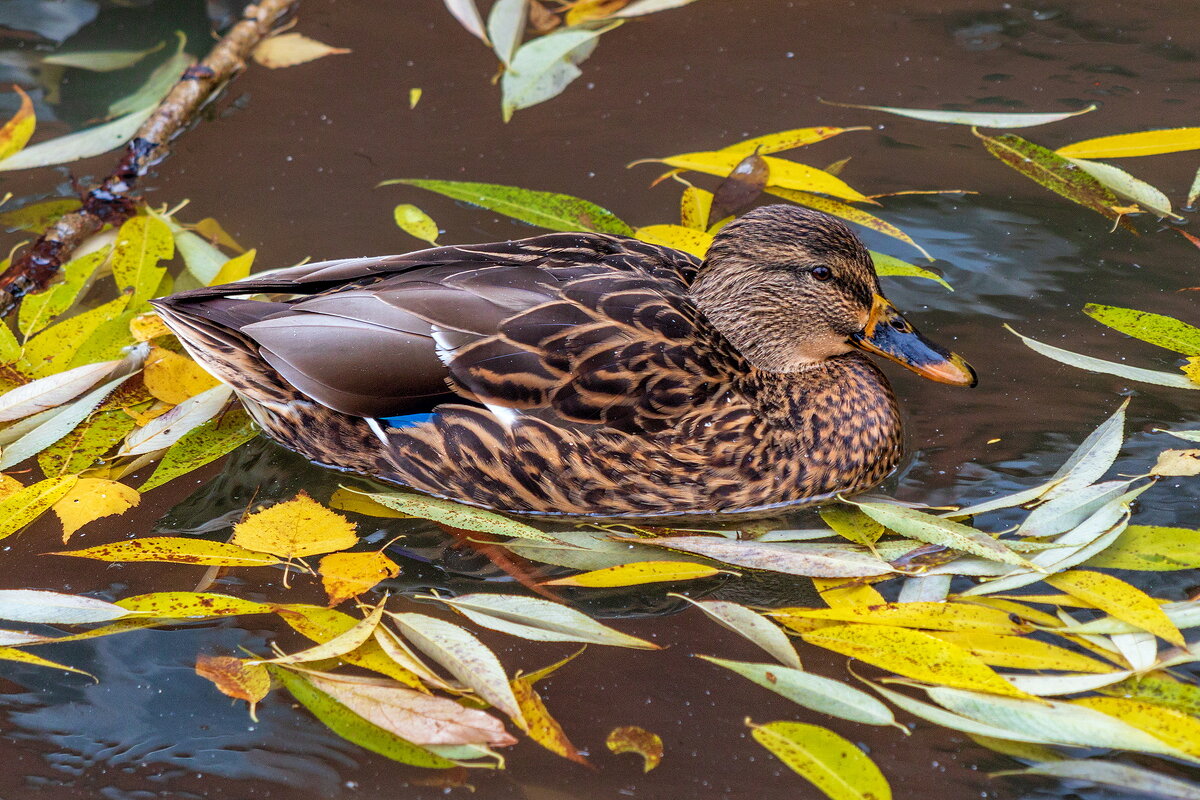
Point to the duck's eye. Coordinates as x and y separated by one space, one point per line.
822 273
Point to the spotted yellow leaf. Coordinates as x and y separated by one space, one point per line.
173 378
294 529
638 573
90 499
1119 599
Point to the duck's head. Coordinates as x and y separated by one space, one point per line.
791 287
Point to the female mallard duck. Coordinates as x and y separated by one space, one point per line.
581 373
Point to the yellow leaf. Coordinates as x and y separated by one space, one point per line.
638 573
93 498
192 604
235 268
1192 368
787 140
587 10
322 624
358 503
540 725
173 378
913 654
142 242
783 173
415 222
926 615
1143 143
632 739
15 133
688 240
236 678
145 327
13 654
290 49
347 575
1117 598
52 349
9 486
210 229
294 529
414 97
25 505
1177 463
175 550
852 524
1177 729
694 206
1019 652
831 763
838 593
847 212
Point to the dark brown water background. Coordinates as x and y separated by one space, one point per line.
287 161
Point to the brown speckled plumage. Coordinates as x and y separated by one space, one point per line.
571 373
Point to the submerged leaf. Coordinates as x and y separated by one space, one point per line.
1127 777
831 763
236 678
15 133
632 739
295 528
82 144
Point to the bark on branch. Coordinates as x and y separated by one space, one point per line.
110 202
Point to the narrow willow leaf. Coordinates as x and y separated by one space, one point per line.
57 426
935 530
1169 379
38 309
1067 510
539 620
100 60
1021 652
91 499
1156 329
1184 614
811 560
924 589
202 445
13 654
467 14
913 654
1093 458
1004 501
1194 192
321 624
236 678
641 7
1125 777
694 207
1143 143
23 506
456 515
639 573
172 605
350 639
82 144
294 529
542 68
52 391
84 447
937 616
838 593
347 575
16 132
831 763
1023 751
1191 436
981 119
175 550
751 625
541 726
558 212
464 657
290 49
1125 185
851 214
157 84
142 242
344 499
1119 599
202 258
787 140
162 432
352 727
1160 691
590 550
1064 683
890 266
632 739
1152 549
235 269
852 524
688 240
56 608
957 722
505 26
415 222
823 695
36 217
783 173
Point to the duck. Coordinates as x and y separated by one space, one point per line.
581 374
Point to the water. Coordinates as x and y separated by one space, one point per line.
287 161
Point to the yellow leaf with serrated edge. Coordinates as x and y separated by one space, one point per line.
838 592
632 739
290 49
25 505
540 725
913 654
236 678
638 573
142 242
1119 599
1142 143
688 240
830 762
235 269
347 575
1166 724
173 378
356 502
90 499
145 327
694 207
415 222
1021 652
176 550
15 133
294 529
783 173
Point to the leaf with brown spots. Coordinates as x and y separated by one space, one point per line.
90 499
236 678
632 739
741 187
540 725
176 550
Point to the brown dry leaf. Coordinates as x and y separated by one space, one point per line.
540 725
741 187
541 18
1177 463
296 528
347 575
632 739
90 499
290 49
173 378
236 678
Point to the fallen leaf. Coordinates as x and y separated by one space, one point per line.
1151 548
162 432
414 97
236 678
688 240
23 506
1021 652
467 14
540 725
295 528
15 133
344 499
338 646
539 620
347 575
852 524
982 119
100 60
783 173
235 269
638 573
740 188
56 608
415 222
787 140
752 625
53 349
321 624
39 308
201 445
936 530
1142 143
1119 599
13 654
694 205
1125 185
588 10
290 49
1157 329
632 739
175 550
505 26
542 68
81 144
831 763
1177 463
811 560
52 391
173 378
890 266
36 217
202 605
936 616
90 499
1124 777
456 515
158 83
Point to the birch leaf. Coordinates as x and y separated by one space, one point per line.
173 378
828 761
1177 463
347 575
539 620
787 140
290 49
294 529
90 499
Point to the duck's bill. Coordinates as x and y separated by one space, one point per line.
890 335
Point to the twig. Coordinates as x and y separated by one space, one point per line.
110 202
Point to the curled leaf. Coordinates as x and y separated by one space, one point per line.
632 739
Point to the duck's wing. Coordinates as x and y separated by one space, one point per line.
571 328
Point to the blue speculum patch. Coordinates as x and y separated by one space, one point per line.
406 420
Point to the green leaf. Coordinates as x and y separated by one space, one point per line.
558 212
100 60
936 530
25 505
54 348
82 448
57 426
539 620
457 515
1157 329
544 67
1127 186
415 222
1151 549
812 560
202 258
37 310
158 83
831 763
36 217
982 119
142 242
81 144
505 25
1171 380
202 445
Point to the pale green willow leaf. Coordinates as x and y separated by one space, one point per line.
639 7
467 14
57 426
1169 379
52 391
1151 549
752 625
890 266
587 550
1127 186
1151 783
1063 683
1191 436
539 620
925 589
823 695
202 258
82 144
1157 329
936 530
56 608
947 719
981 119
811 560
544 67
505 25
1004 501
1066 511
1185 614
162 432
158 83
100 60
1094 456
1194 192
558 212
457 515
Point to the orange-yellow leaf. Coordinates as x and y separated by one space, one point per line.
9 485
236 678
93 498
296 528
540 725
145 327
173 378
235 268
15 133
347 575
290 49
632 739
1119 599
637 573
